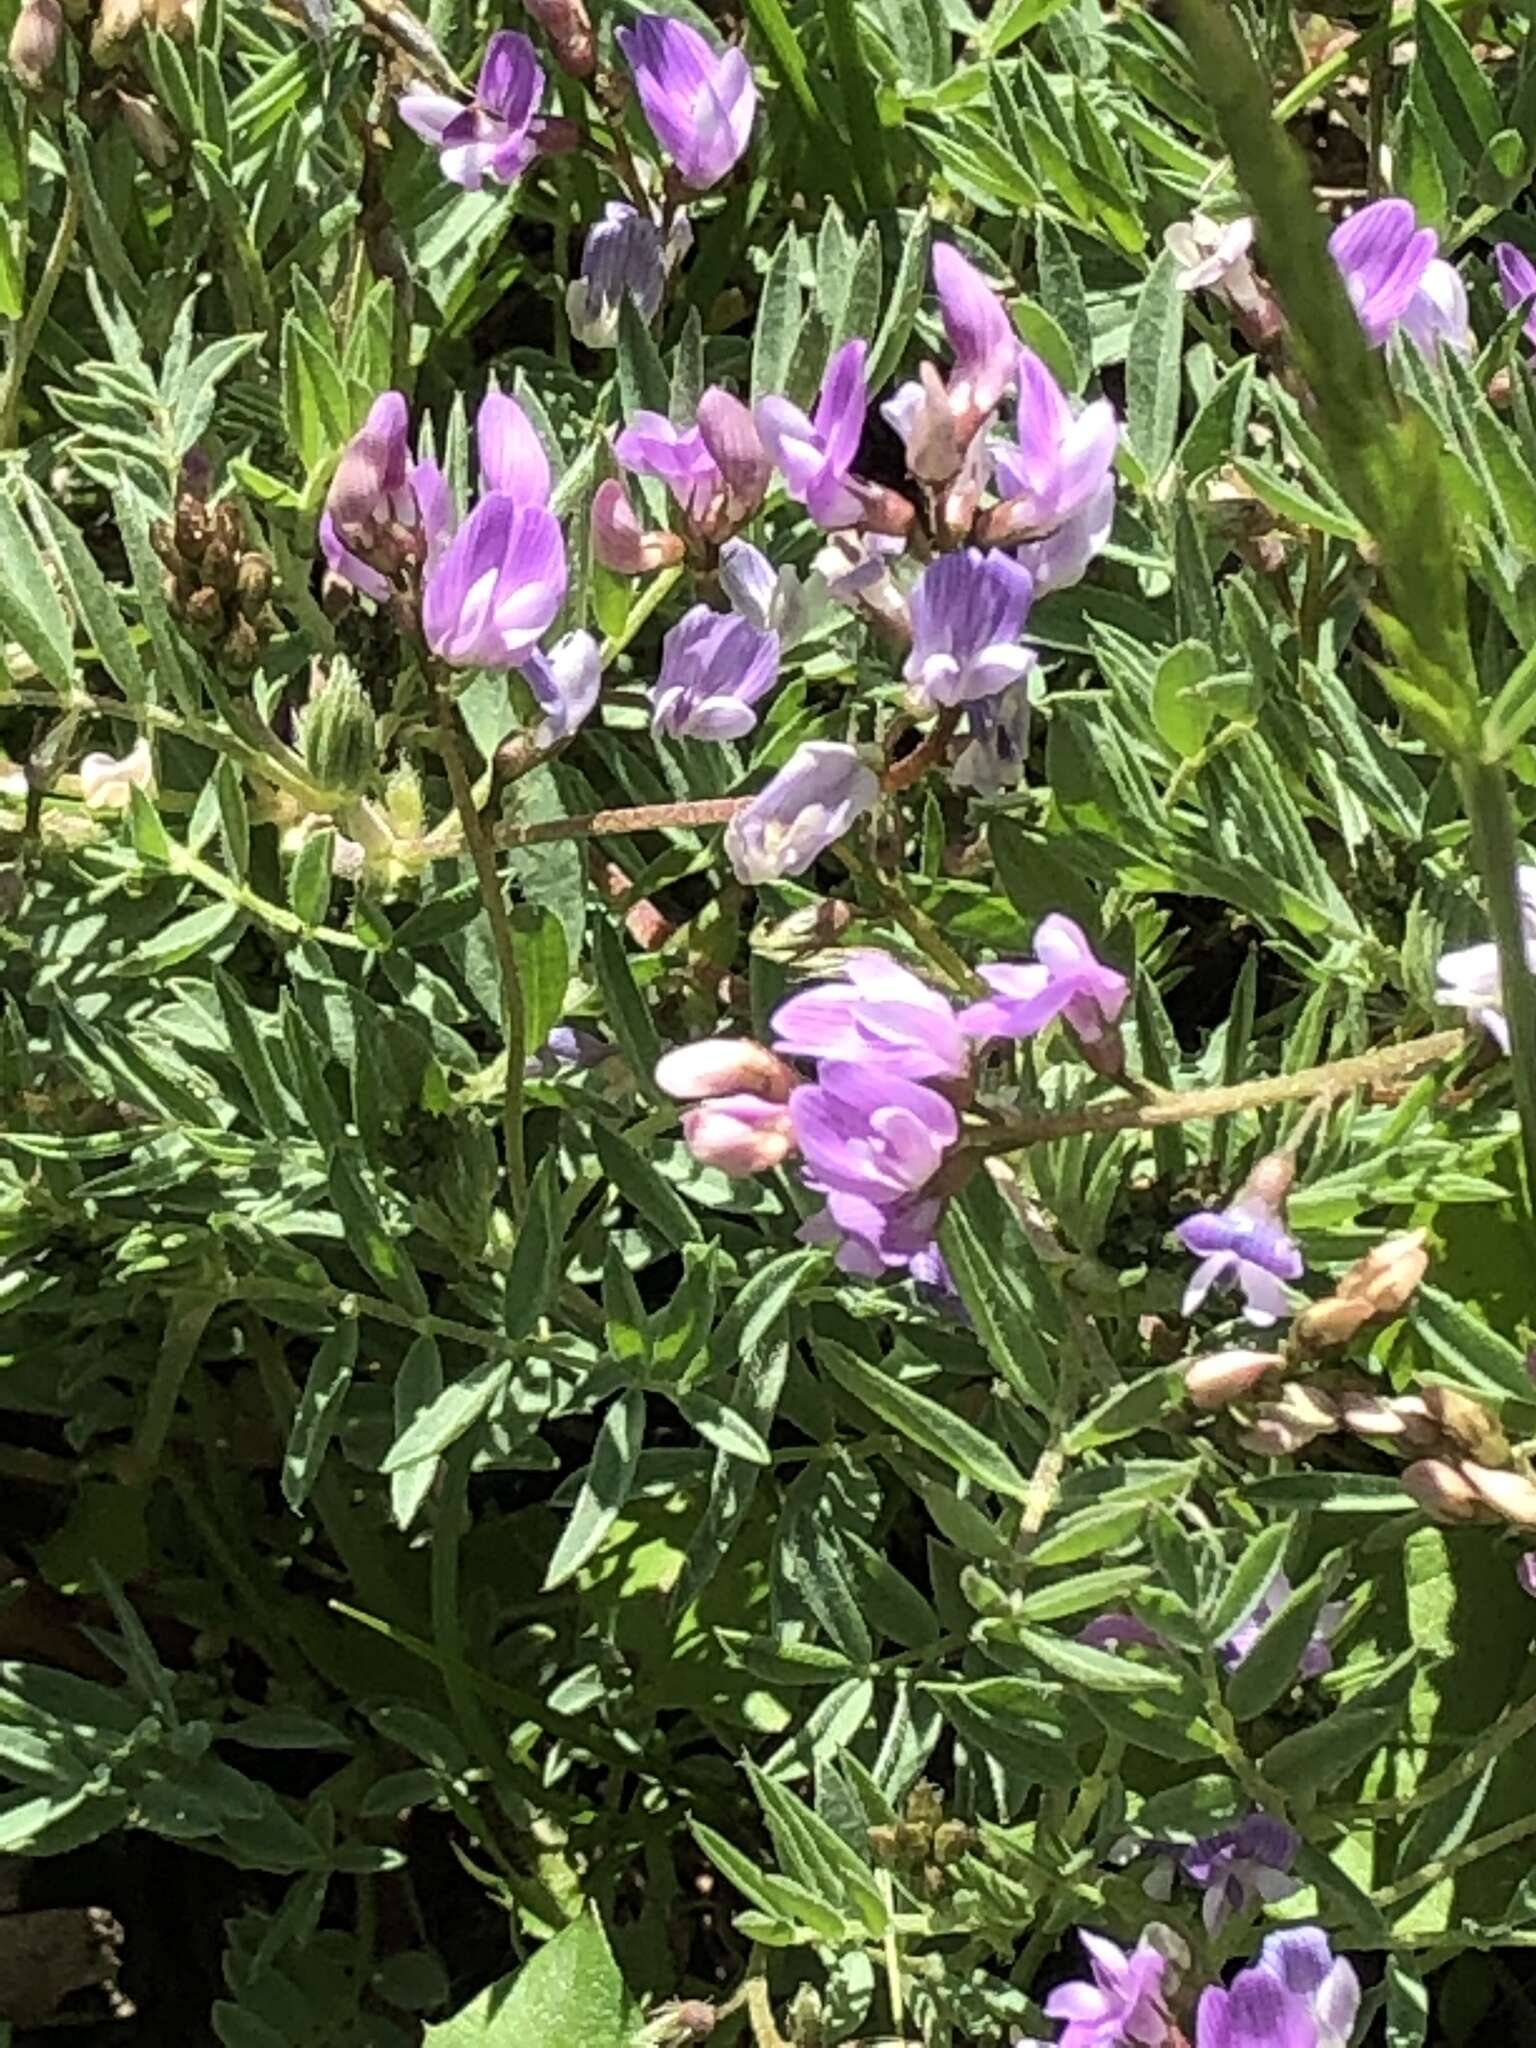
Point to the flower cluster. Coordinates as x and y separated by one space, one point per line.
894 1061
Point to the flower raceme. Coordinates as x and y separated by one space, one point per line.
497 135
1055 479
699 100
815 455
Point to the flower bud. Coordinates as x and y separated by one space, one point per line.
569 29
338 734
1329 1324
253 582
242 645
219 567
1270 1181
117 22
176 18
148 130
106 783
203 611
729 432
724 1066
886 511
192 526
35 42
1222 1377
620 542
1441 1491
1388 1276
1289 1424
1467 1424
740 1134
1511 1494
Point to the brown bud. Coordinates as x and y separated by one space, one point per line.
117 22
1368 1414
1388 1276
253 583
242 645
1222 1377
148 130
952 1839
1467 1424
35 43
569 28
229 525
219 567
1441 1491
886 511
336 596
176 18
1327 1325
882 1845
729 432
559 135
1287 1425
192 526
1501 389
1510 1494
1270 1181
204 611
620 542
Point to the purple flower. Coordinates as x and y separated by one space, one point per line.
1470 978
495 136
1065 980
872 1143
698 100
1437 312
968 611
1240 1865
1382 254
368 529
714 667
992 758
731 436
879 1015
1056 478
1525 1573
1121 2005
809 804
1298 1995
496 588
622 256
1247 1245
981 335
1109 1631
565 683
1517 283
816 455
774 600
1316 1658
716 469
930 1268
652 446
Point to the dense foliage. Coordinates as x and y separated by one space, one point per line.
769 1063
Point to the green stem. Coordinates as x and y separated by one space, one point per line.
1503 1735
1440 1867
1496 846
38 308
189 1317
482 853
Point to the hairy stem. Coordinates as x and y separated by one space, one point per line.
716 810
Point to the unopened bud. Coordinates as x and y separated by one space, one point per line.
1367 1414
204 611
1289 1424
192 526
739 1134
117 22
176 18
355 497
882 1845
886 511
1270 1181
724 1066
1510 1494
219 567
35 39
620 542
729 432
338 734
1225 1376
1467 1423
229 525
1329 1324
148 130
951 1840
242 645
569 28
253 583
1441 1491
1388 1276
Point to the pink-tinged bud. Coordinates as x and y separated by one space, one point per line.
1223 1377
1290 1423
1388 1277
885 511
729 432
148 130
1441 1491
1510 1494
621 543
740 1134
724 1066
1270 1181
34 48
569 28
1371 1415
361 479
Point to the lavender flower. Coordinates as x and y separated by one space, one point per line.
565 682
622 256
716 469
880 1015
698 100
1247 1245
968 611
1525 1572
496 588
1469 977
809 804
816 455
652 446
714 667
992 758
1316 1658
740 1122
1065 979
872 1143
1240 1866
1213 256
496 136
730 434
620 542
1298 1995
774 600
367 530
1393 276
1056 479
1121 2005
936 421
1517 283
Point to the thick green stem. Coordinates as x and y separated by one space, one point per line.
1486 795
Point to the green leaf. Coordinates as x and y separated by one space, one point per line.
1472 1354
417 1385
1249 1580
780 316
537 1256
1271 1667
1509 717
309 879
318 1413
604 1490
624 1007
985 1251
1467 102
1095 1670
93 598
569 1990
543 967
927 1423
451 1415
895 331
1152 367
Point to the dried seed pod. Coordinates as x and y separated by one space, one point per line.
1510 1494
253 583
219 567
1441 1491
1467 1424
1222 1377
242 645
1389 1275
150 133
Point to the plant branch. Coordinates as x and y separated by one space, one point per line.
38 307
1440 1867
717 810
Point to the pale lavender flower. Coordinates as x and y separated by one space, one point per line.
1108 1631
621 257
714 668
1065 979
1382 254
879 1015
1517 283
930 1268
1437 312
1240 1866
1213 256
1525 1573
1316 1658
368 528
1056 478
967 611
815 456
774 600
992 759
565 683
496 588
812 801
1244 1245
1298 1995
1122 2004
937 419
716 468
496 136
872 1142
652 446
1469 977
698 100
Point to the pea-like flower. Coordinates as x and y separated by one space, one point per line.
812 801
565 684
1317 1653
368 526
1244 1245
1065 979
496 136
1470 978
1298 1995
1517 283
815 456
937 419
1122 2003
967 611
878 1015
872 1144
774 600
714 668
698 100
1394 277
992 759
1055 478
622 257
1241 1866
716 468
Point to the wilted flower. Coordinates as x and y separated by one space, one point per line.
1316 1657
698 100
774 600
816 455
1213 255
34 45
1055 479
1517 283
879 1015
620 542
496 135
1393 276
872 1143
1441 1490
107 783
968 611
621 256
992 758
368 527
714 668
1064 980
1469 978
730 434
1298 1415
809 804
1298 1995
1122 2004
1246 1245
